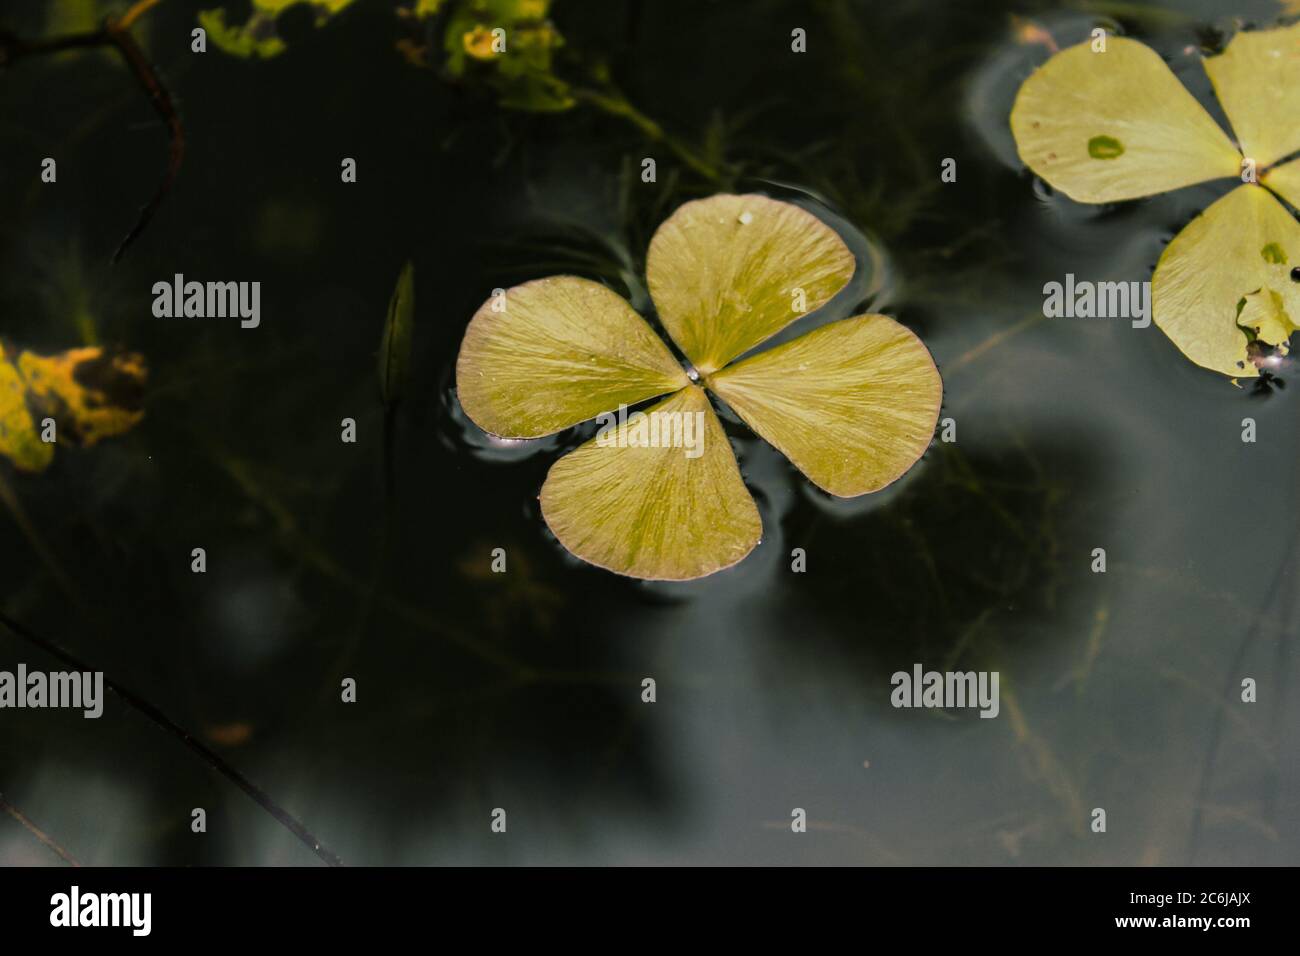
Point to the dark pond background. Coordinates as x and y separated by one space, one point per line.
523 690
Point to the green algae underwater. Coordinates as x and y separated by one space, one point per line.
523 690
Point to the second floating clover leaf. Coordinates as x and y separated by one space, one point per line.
1116 124
852 404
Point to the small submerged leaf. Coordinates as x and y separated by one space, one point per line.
395 348
852 404
1257 79
654 512
555 352
1215 263
1079 106
729 272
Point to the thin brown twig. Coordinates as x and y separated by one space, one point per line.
147 76
213 759
115 33
125 21
37 832
991 342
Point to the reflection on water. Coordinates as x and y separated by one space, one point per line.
523 690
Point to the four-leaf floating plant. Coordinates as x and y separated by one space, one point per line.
1115 125
852 404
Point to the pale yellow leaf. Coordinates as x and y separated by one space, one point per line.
1104 127
728 272
1245 245
655 512
555 352
852 404
1257 79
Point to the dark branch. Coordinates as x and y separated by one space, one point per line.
114 34
147 76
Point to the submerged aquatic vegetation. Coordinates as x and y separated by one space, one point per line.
88 393
852 404
475 35
1107 123
257 36
466 39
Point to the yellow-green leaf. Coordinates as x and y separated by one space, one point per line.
1104 127
852 404
654 512
1229 268
1285 181
395 348
728 272
1257 79
554 352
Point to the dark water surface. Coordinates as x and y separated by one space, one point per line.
523 690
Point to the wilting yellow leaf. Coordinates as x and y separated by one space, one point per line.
1103 127
1285 181
1257 79
728 272
20 441
555 352
90 394
1229 267
852 404
654 512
